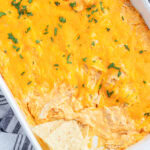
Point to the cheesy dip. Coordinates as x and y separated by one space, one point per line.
79 70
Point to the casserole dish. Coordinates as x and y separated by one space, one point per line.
20 115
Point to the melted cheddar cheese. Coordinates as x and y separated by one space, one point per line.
79 60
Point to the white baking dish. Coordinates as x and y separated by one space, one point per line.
143 6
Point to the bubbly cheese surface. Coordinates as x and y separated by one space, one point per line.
70 59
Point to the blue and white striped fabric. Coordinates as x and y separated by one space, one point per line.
12 136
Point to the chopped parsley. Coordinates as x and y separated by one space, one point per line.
84 59
78 37
62 19
2 14
28 29
93 43
100 86
147 114
119 73
89 8
10 36
30 1
22 73
22 10
55 31
144 82
101 6
60 26
37 41
57 3
56 65
29 82
88 15
90 20
112 65
95 20
109 94
142 51
73 4
16 48
5 51
52 40
63 55
94 11
127 47
21 56
68 59
46 30
108 29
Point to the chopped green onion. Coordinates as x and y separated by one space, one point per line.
2 14
62 19
109 94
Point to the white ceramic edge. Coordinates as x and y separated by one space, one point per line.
143 6
13 104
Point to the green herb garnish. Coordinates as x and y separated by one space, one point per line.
28 29
60 25
84 59
147 114
30 1
62 19
94 11
37 41
5 51
127 47
119 73
52 40
29 82
55 31
10 36
56 65
93 43
100 86
109 94
108 29
46 30
112 65
68 59
2 14
144 82
21 56
78 37
101 6
73 4
22 73
57 3
22 10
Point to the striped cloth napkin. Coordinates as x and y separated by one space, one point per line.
12 136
